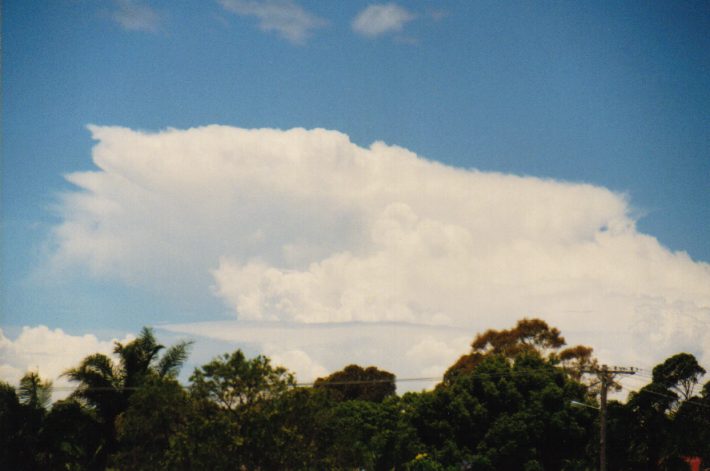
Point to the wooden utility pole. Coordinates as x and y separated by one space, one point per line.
606 378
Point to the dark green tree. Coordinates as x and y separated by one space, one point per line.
35 392
463 366
532 336
506 414
355 382
364 434
679 374
106 386
235 397
16 432
528 335
690 430
153 431
70 438
294 430
533 425
22 415
236 384
653 410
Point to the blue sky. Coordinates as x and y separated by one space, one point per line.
614 95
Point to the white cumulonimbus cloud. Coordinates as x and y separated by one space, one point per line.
376 20
297 361
303 226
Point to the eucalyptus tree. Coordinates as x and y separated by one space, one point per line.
528 336
506 404
666 420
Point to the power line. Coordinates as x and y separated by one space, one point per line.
691 400
370 381
484 374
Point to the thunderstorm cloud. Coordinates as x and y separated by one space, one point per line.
303 227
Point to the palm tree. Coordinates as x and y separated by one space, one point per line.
102 382
106 385
34 392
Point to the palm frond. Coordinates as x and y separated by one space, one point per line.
173 359
137 356
95 371
35 392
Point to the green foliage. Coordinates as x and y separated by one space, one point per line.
150 432
100 385
423 462
238 396
679 374
137 357
528 335
664 421
690 430
213 440
355 382
506 416
106 387
504 405
463 366
70 438
11 436
20 424
235 383
172 360
34 392
363 435
291 431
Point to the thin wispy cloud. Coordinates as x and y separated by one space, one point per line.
283 17
376 20
134 15
438 15
409 350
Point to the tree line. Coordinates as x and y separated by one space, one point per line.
507 404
